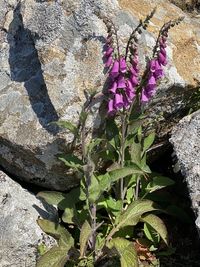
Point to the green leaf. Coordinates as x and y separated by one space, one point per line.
61 200
136 153
94 189
156 223
85 234
117 174
72 161
126 251
133 213
55 257
151 233
114 206
58 232
52 197
68 125
158 183
69 215
148 141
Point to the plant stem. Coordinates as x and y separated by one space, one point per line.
94 227
123 129
137 188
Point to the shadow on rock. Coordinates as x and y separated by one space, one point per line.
25 67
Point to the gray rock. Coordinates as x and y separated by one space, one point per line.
51 51
20 234
186 142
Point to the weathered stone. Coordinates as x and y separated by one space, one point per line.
20 234
186 142
51 51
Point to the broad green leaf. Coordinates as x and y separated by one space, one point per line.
114 206
133 213
52 197
104 182
156 223
85 234
151 233
148 141
158 183
61 200
57 231
72 161
69 215
136 153
117 174
139 134
129 194
94 189
68 125
55 257
125 250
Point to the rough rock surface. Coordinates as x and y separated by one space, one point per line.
50 51
19 232
186 142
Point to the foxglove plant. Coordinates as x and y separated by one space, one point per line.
115 178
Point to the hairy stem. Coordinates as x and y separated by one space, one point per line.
94 227
123 139
137 188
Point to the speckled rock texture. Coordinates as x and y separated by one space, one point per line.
19 233
51 51
186 142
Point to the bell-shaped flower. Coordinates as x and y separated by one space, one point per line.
109 61
113 88
133 71
121 83
118 101
115 69
122 64
126 101
111 109
162 59
134 80
163 51
109 51
156 69
144 96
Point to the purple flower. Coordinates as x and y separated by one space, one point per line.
122 63
144 96
118 101
121 82
115 69
109 51
133 70
156 69
163 51
151 81
113 88
134 80
109 61
162 59
111 109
